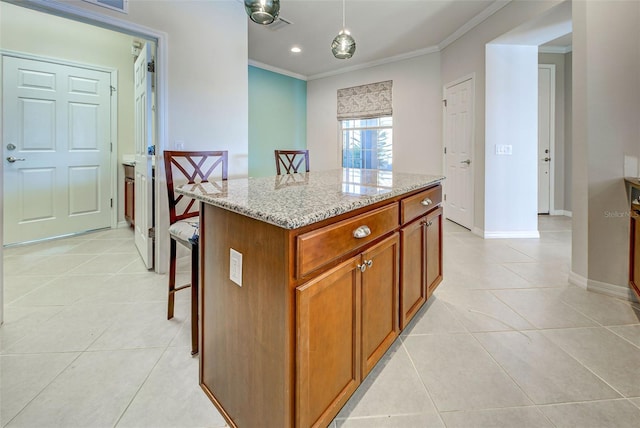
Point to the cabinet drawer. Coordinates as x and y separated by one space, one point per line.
421 203
320 247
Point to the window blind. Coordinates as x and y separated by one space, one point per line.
365 101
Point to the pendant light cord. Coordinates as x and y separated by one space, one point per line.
344 8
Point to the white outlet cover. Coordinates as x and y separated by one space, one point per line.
235 266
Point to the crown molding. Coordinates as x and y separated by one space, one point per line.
277 70
474 22
396 58
556 49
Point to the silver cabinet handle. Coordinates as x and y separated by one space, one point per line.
369 263
362 232
429 223
426 202
362 267
11 159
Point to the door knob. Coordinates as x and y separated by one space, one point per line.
11 146
468 161
11 159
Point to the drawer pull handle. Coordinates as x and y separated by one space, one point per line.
426 202
361 232
429 223
369 263
362 267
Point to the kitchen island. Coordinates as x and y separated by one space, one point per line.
306 280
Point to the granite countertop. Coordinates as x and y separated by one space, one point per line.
294 200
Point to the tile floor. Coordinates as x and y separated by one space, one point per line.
506 341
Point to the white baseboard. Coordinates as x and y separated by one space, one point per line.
478 231
578 280
611 290
562 212
122 224
621 292
512 234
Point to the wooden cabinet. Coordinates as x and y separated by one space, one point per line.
421 243
129 193
633 190
634 251
346 320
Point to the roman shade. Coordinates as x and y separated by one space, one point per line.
365 101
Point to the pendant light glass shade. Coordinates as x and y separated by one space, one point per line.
343 46
262 11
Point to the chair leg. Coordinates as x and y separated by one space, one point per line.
172 278
194 298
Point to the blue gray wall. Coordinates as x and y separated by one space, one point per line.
277 118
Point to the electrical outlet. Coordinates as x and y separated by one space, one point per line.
179 145
235 266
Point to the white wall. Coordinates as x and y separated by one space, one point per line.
606 52
511 182
417 114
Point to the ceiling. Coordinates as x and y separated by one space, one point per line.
383 30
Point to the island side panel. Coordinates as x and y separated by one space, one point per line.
245 366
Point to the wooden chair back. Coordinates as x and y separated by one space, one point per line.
191 167
290 161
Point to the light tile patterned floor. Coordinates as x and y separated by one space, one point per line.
506 341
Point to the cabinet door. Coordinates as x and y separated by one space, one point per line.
634 262
434 250
129 197
328 338
413 289
379 301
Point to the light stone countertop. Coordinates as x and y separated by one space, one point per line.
294 200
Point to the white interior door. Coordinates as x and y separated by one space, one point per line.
546 112
56 149
143 141
458 153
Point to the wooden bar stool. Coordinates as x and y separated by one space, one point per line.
188 168
290 161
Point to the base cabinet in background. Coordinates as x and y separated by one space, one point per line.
129 194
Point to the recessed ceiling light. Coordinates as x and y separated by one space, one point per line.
296 49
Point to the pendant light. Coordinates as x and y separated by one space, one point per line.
262 11
343 46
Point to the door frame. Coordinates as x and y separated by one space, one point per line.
113 131
552 136
161 79
472 121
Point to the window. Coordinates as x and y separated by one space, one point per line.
367 143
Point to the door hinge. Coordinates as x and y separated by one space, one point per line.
445 196
151 66
111 147
445 102
152 232
113 89
445 150
111 202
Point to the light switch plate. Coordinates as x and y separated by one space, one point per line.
235 267
504 149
